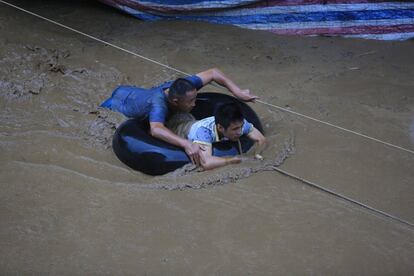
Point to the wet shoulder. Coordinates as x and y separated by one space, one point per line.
158 96
204 130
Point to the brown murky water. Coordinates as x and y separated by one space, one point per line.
69 206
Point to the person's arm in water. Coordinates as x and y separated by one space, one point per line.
209 162
256 136
159 131
219 77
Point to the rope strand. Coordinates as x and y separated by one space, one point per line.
319 187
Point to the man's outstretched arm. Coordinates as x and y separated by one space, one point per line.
159 131
256 136
209 162
219 77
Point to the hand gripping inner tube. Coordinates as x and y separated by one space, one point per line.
136 148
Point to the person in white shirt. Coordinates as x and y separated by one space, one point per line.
228 123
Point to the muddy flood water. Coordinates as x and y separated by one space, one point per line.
68 206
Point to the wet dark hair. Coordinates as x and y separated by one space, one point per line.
179 88
228 113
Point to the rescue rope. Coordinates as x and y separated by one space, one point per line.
338 195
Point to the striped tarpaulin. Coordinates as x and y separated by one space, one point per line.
373 19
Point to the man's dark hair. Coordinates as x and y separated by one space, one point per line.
180 87
228 113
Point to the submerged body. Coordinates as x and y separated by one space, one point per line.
227 124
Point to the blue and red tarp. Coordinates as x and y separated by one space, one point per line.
372 19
